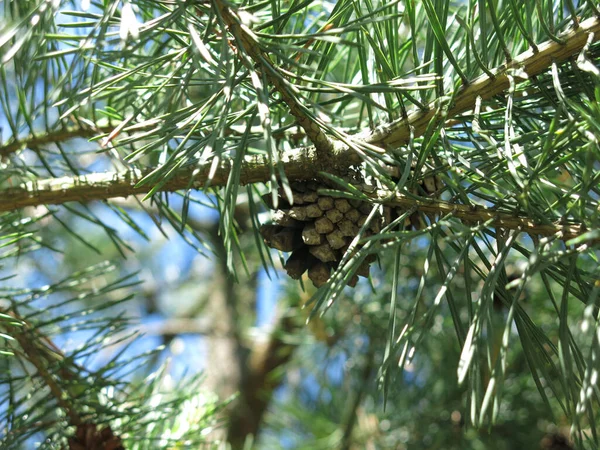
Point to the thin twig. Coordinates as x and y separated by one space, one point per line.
42 353
246 39
482 214
53 137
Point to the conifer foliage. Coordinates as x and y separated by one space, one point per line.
432 167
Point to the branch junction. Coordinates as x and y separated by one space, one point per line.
305 163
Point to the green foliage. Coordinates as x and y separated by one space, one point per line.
92 382
497 311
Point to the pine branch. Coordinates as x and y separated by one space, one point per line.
299 165
100 186
530 62
93 131
42 353
53 137
82 130
481 214
306 163
387 135
396 133
248 42
63 382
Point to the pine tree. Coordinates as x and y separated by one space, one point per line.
432 167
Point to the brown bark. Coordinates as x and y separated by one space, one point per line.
232 366
259 383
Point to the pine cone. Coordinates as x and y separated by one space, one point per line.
89 437
555 441
318 229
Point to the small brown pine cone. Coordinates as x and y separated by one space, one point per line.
336 239
323 252
335 215
268 230
299 262
282 218
353 215
88 437
324 225
319 274
318 229
325 203
313 211
342 205
287 240
298 213
310 235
